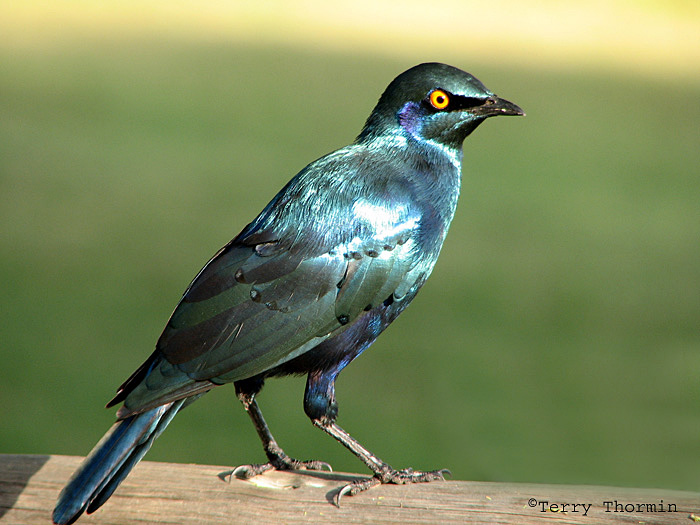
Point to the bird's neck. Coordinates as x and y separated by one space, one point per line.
416 150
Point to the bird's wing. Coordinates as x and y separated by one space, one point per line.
249 308
255 306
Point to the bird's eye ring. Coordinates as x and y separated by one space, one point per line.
439 99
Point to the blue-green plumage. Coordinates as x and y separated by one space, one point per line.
334 258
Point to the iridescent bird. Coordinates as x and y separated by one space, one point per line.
307 286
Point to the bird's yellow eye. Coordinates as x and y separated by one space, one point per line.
439 99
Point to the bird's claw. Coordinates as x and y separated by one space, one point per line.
310 465
287 463
356 487
408 475
250 471
397 477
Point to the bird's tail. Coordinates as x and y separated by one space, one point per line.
111 460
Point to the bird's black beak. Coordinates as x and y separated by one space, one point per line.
494 106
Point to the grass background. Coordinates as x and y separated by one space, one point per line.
557 340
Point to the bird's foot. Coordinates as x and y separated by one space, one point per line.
278 463
397 477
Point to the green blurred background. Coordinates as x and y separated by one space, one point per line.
558 339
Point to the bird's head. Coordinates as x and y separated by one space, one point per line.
434 103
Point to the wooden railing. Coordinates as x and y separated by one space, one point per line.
188 494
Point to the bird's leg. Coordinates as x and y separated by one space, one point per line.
383 472
321 407
277 459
